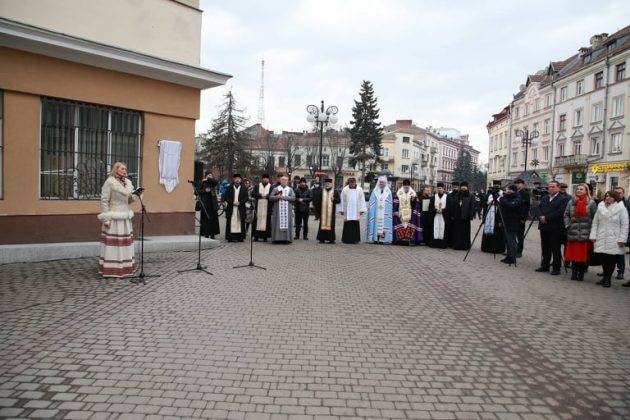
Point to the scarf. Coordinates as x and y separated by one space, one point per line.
488 228
235 221
580 206
404 204
327 209
438 220
283 205
261 215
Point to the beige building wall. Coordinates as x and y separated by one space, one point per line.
498 134
162 28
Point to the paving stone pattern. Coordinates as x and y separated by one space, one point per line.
327 331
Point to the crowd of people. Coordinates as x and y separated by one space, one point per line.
576 231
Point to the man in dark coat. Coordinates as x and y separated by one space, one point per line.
523 193
235 198
461 214
209 218
510 205
550 214
317 194
328 199
303 198
261 225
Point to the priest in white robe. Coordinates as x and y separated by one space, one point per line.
282 198
352 208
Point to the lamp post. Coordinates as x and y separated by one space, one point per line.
320 117
527 139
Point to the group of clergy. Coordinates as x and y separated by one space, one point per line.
280 213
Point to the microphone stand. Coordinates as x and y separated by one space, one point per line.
199 267
140 278
251 243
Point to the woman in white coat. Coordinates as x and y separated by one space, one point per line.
609 233
117 252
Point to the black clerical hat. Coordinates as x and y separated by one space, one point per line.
237 176
328 180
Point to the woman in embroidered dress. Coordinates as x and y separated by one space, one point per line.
117 252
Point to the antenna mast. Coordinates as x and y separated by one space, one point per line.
261 98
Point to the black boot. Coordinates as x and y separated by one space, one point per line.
606 282
574 272
581 270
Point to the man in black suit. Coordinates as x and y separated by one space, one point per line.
550 215
525 204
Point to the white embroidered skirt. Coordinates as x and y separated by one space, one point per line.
117 253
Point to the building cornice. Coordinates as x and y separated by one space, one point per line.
36 40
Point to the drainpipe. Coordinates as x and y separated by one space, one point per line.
553 132
605 116
509 145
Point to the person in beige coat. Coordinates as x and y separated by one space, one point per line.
609 232
117 251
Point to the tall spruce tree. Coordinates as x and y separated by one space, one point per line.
225 144
464 168
365 130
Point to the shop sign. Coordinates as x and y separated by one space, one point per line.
600 168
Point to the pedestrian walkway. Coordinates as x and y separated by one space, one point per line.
327 331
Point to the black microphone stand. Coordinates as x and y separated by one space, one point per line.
251 242
140 278
199 267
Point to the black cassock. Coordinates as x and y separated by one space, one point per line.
462 212
427 219
451 200
493 243
229 209
326 235
210 221
262 234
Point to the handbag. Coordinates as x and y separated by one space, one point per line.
594 258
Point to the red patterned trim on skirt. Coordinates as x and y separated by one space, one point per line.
116 271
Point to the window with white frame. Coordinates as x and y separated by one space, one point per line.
535 153
535 126
599 80
564 93
579 87
562 123
620 71
297 160
577 147
595 145
405 153
615 143
526 110
561 149
404 169
281 161
617 106
547 126
597 112
545 153
79 144
548 99
385 152
577 118
517 111
405 139
325 160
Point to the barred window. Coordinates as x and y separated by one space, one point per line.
79 144
1 144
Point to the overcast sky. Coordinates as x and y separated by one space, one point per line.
439 63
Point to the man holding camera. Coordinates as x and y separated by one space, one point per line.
550 216
525 203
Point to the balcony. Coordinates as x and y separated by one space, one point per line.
433 150
571 161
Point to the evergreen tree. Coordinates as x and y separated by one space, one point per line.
365 130
225 144
464 167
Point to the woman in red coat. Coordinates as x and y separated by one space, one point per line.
578 217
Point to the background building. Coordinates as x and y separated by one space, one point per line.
579 107
498 134
85 84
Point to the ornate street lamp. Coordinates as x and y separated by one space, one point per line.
322 118
527 139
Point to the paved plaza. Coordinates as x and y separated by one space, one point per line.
327 331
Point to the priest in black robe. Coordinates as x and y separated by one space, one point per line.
261 225
235 198
426 218
462 212
328 199
451 199
209 216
